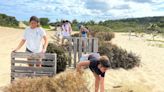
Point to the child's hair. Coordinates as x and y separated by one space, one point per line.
34 18
63 21
104 61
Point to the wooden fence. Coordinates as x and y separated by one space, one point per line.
78 45
20 62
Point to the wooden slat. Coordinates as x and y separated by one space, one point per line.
55 64
80 49
19 75
90 45
37 72
75 50
33 62
95 46
70 50
32 55
44 69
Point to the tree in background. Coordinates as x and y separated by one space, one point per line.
153 29
44 22
8 21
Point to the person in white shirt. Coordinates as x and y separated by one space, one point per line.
67 29
33 37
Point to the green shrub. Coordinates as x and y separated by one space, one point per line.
46 26
120 58
8 21
62 58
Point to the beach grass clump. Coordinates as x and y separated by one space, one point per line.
75 35
68 81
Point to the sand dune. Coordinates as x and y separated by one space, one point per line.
149 77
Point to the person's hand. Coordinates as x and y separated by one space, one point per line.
43 51
15 50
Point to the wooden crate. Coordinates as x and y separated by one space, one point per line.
20 64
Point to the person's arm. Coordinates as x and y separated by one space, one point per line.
80 32
80 64
45 44
97 81
70 29
20 45
101 84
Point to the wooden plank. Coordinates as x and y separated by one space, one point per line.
55 64
90 45
85 44
19 75
12 78
32 55
95 46
37 72
33 62
75 50
44 69
70 50
80 48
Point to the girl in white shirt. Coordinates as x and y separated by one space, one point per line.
33 36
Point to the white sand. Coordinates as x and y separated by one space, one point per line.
149 76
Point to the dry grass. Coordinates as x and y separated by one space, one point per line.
69 81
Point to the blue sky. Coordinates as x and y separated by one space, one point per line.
82 10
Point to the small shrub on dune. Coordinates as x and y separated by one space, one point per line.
62 58
94 29
69 81
75 35
120 58
105 36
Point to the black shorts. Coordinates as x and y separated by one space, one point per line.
29 51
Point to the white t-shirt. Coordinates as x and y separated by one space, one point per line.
66 30
33 39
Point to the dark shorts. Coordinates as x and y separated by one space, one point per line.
29 51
